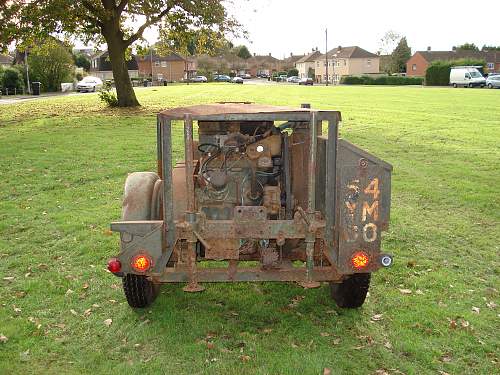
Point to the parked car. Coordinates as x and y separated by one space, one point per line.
222 78
263 75
89 84
199 79
467 76
237 80
245 76
493 81
306 81
293 79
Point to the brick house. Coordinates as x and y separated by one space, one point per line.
346 61
100 66
6 60
170 68
265 64
417 65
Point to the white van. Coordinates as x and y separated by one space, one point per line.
467 76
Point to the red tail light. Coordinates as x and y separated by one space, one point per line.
141 263
114 265
360 260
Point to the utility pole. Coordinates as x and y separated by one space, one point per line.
151 59
27 70
326 55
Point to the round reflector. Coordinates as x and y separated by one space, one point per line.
141 263
360 260
114 265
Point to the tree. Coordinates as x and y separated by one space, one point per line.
467 47
293 72
243 52
113 22
311 72
400 56
388 42
50 63
82 61
490 48
12 79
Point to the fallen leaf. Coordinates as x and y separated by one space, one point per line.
381 372
73 312
443 373
411 263
295 346
17 310
475 309
60 325
405 291
388 345
464 323
68 292
108 322
3 338
107 232
491 304
453 324
377 317
95 306
245 358
418 291
336 341
43 266
87 312
210 345
324 334
8 278
327 371
85 286
446 358
267 330
20 294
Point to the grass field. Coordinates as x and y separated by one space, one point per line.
63 163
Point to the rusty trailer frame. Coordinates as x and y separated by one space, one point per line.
340 194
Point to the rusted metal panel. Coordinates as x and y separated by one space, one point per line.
249 274
362 217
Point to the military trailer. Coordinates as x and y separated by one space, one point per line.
262 195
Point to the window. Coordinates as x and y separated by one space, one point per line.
163 64
414 67
157 63
345 62
369 62
491 66
317 64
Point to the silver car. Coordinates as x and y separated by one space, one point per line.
493 81
89 84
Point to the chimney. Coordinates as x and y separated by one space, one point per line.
429 48
291 54
269 53
254 54
339 48
454 48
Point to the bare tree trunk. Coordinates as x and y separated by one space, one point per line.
116 49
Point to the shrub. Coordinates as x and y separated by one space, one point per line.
293 72
108 96
381 80
12 79
438 72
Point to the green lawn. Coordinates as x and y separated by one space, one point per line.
63 163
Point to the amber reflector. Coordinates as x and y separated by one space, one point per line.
360 260
141 263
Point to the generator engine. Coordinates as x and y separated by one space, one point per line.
240 164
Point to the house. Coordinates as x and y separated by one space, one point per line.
343 61
87 51
307 62
417 64
100 66
6 60
290 62
265 64
172 67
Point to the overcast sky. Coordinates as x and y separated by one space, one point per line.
285 26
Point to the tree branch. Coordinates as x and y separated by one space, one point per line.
121 6
146 24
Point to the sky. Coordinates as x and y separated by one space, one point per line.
292 26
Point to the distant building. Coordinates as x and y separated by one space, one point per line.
290 62
344 61
87 51
264 64
418 63
6 60
172 67
307 62
100 66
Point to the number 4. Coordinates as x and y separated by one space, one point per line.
372 188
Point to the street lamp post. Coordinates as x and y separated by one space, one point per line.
326 55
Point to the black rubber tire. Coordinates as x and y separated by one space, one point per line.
351 293
470 85
455 85
140 292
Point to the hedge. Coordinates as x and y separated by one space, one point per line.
382 80
438 72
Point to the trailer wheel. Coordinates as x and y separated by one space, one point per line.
139 187
140 292
351 293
